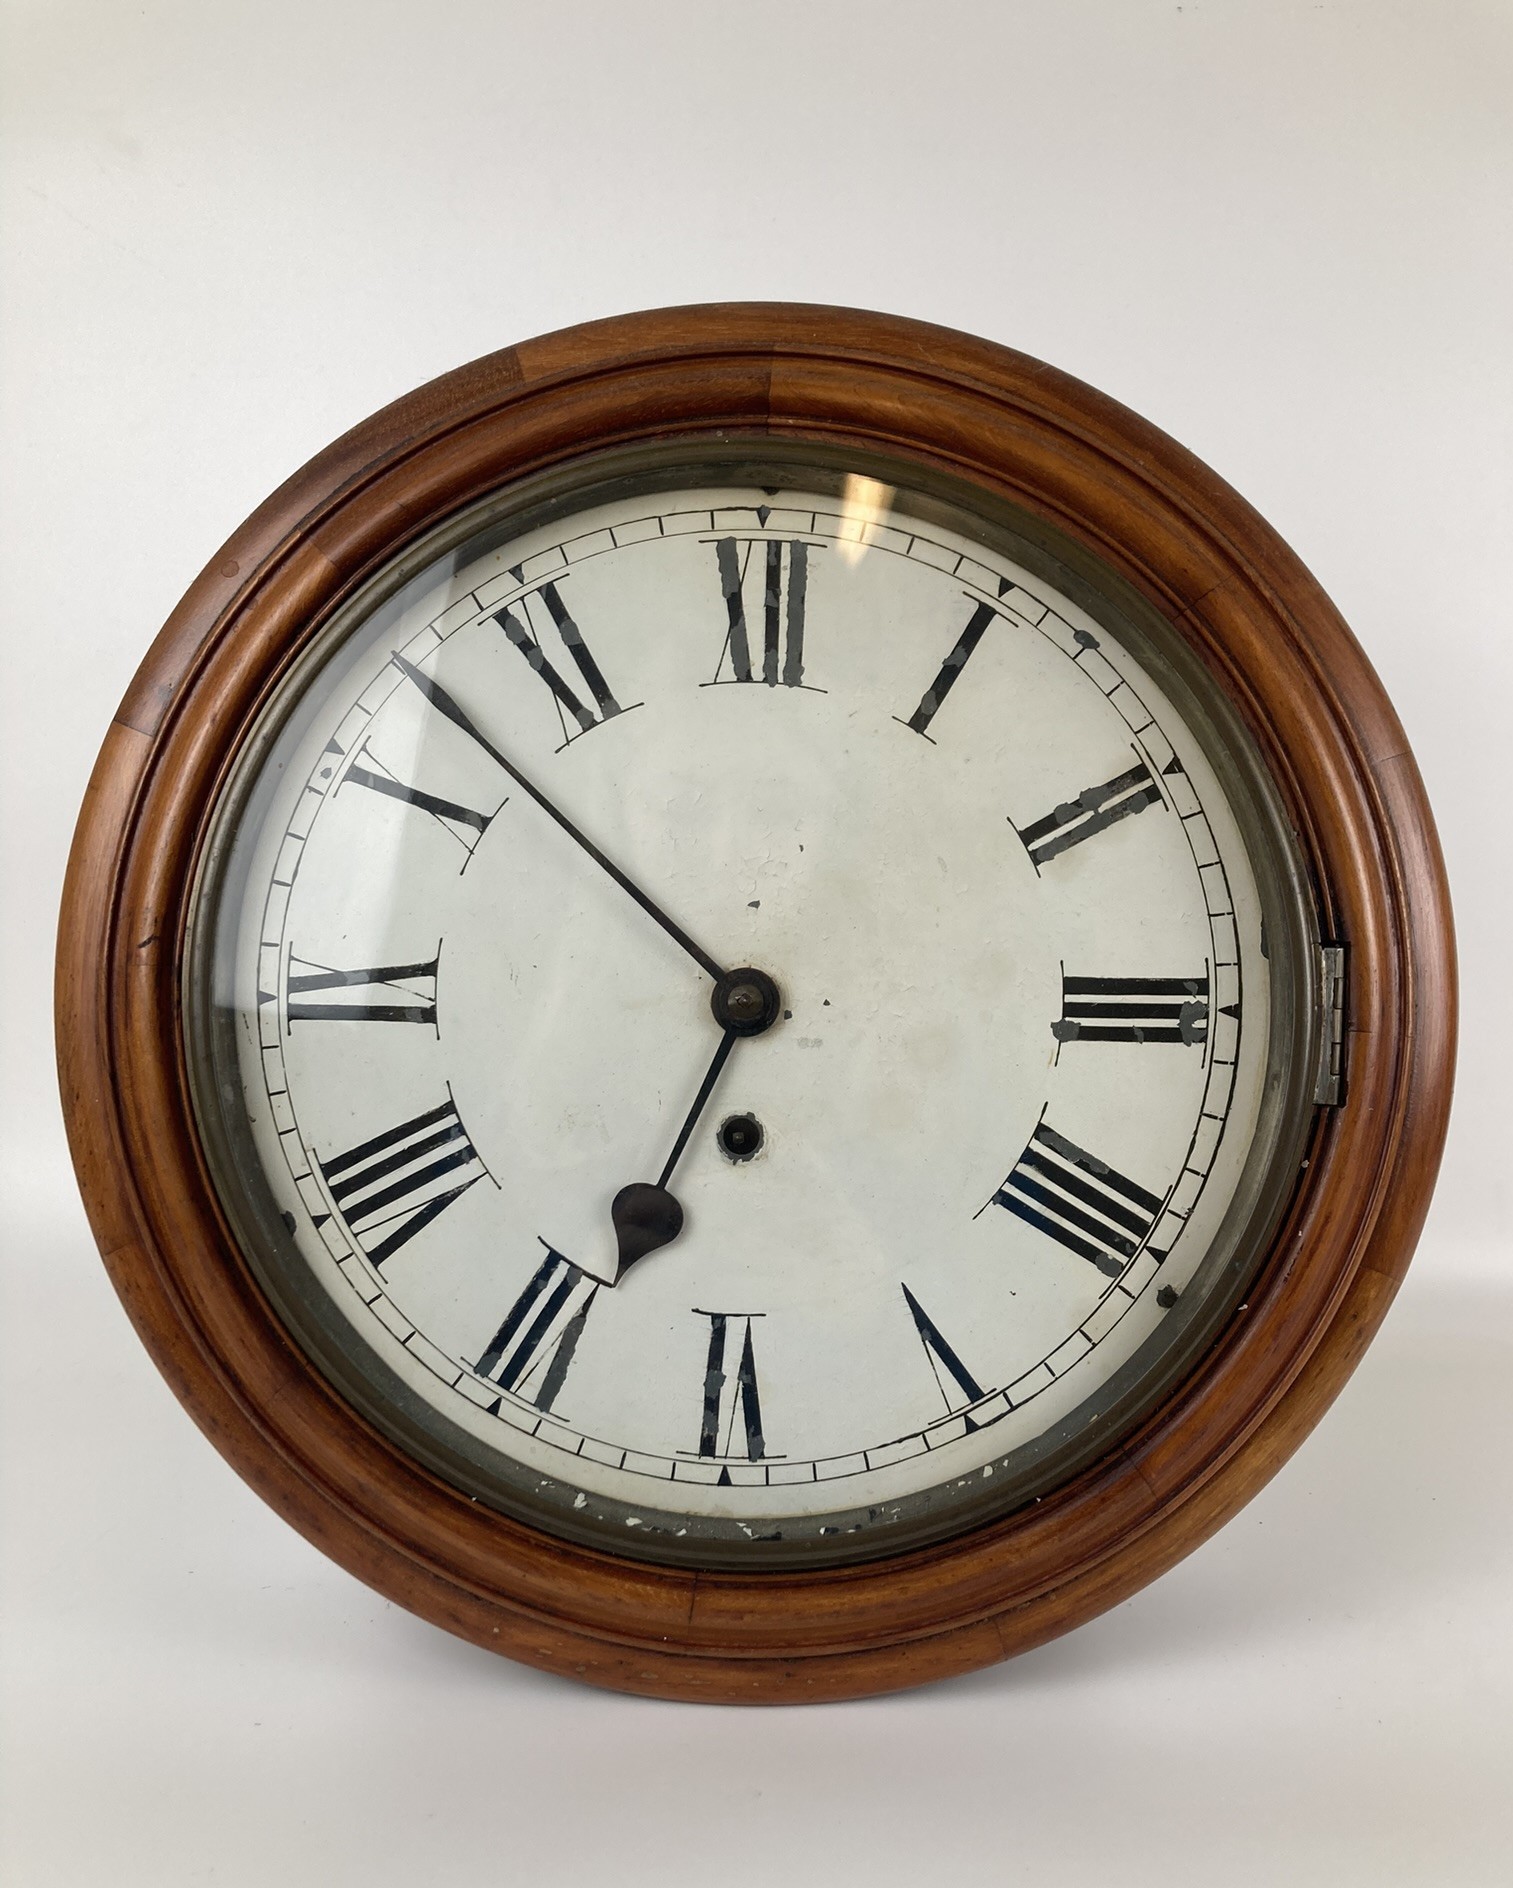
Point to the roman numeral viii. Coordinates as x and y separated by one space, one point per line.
526 631
784 567
319 994
1079 1201
532 1349
391 1187
1094 810
731 1394
1133 1009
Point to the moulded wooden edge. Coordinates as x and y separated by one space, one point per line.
1011 423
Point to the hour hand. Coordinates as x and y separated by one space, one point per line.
645 1215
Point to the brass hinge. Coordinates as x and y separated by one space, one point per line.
1329 1084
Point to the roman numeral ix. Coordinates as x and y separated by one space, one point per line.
348 994
783 606
1079 1201
532 1349
391 1187
730 1395
1133 1009
521 629
1094 810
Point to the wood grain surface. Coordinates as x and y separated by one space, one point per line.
1014 428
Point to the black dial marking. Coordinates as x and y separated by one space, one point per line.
939 1354
445 705
521 631
389 1186
739 1398
1093 811
542 1327
1048 1190
783 608
465 824
417 982
950 669
1133 1009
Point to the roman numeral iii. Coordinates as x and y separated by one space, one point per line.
1133 1009
1079 1201
532 1349
784 567
319 994
526 631
730 1390
392 1186
1094 810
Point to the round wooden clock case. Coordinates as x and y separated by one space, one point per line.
1108 511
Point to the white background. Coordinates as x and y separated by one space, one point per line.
1280 231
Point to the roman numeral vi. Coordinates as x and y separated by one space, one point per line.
731 1395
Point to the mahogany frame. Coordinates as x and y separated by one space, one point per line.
1240 600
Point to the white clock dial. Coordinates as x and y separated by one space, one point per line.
511 823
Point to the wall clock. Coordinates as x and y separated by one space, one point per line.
756 1002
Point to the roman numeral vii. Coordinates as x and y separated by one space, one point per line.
533 1347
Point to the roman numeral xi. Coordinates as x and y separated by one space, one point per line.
1079 1201
525 631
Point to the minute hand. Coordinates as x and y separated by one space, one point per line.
444 704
